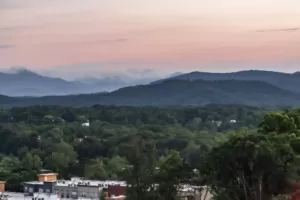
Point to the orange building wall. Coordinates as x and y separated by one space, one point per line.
2 186
47 177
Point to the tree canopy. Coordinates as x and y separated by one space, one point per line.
235 152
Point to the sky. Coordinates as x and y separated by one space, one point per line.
73 38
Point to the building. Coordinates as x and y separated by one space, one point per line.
47 187
86 124
2 186
69 189
48 177
38 187
233 121
43 185
21 196
116 190
79 188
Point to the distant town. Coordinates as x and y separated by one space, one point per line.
48 187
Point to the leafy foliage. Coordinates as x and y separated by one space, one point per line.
156 150
38 137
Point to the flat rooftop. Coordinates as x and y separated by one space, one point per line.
81 183
48 174
34 183
87 183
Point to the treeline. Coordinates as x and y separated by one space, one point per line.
198 118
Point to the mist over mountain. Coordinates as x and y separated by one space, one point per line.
27 83
254 87
111 83
18 81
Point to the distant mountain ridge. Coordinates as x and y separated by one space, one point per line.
175 93
28 83
254 87
23 82
282 80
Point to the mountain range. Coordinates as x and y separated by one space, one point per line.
254 87
282 80
28 83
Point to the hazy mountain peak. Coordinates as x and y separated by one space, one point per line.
297 73
26 72
14 70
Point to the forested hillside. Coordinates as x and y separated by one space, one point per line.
175 93
282 80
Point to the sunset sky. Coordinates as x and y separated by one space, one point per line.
89 37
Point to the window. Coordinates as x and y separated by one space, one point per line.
25 189
47 190
74 195
41 190
30 190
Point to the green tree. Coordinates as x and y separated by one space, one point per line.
62 156
48 119
169 177
278 123
82 119
95 170
116 165
140 174
250 166
32 162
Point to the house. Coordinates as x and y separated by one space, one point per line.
232 121
86 124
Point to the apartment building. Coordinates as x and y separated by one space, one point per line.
43 185
79 188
